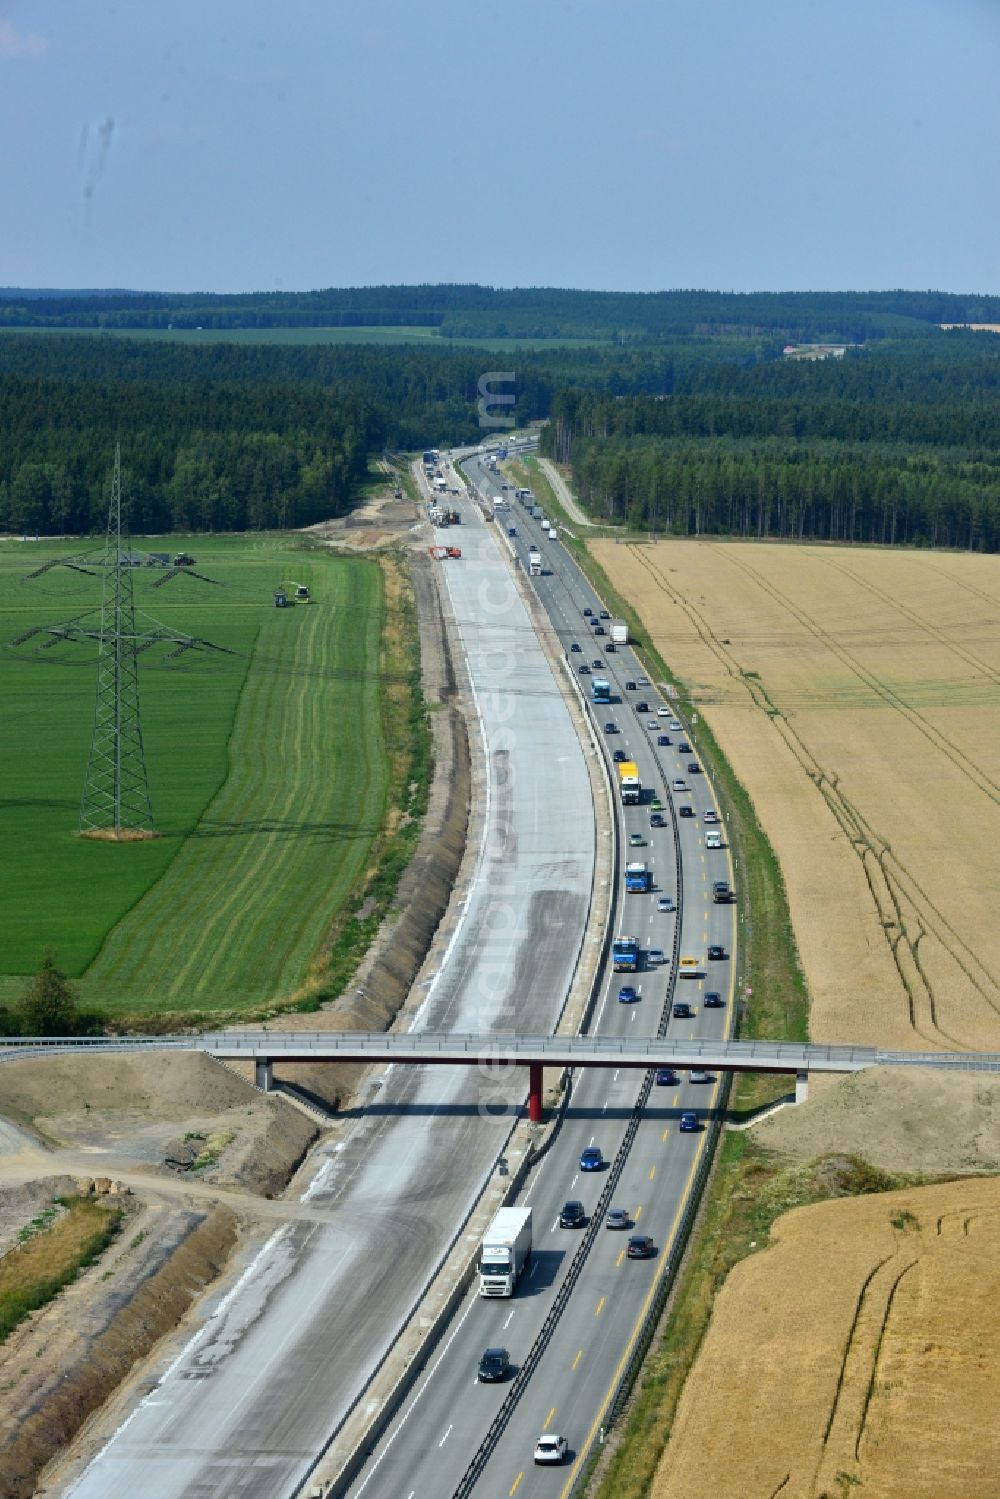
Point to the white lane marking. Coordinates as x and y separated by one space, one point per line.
420 1391
510 1316
574 1181
592 1138
446 1436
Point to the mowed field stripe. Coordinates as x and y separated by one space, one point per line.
242 911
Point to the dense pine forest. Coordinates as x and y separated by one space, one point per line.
703 428
896 443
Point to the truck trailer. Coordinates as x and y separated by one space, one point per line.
619 632
534 563
638 880
628 780
505 1251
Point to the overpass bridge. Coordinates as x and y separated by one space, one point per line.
496 1054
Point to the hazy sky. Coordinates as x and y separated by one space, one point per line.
635 144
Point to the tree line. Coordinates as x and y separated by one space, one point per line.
469 310
889 447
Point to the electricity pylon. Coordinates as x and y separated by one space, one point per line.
115 802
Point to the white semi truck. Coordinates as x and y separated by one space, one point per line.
534 563
506 1249
619 632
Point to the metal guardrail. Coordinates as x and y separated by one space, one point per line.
463 1047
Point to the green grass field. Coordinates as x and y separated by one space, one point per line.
268 775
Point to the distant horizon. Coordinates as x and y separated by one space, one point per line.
8 292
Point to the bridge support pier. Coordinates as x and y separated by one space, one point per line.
535 1092
263 1070
801 1087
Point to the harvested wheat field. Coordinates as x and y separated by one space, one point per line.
857 1353
856 693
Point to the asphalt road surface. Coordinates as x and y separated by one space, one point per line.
427 1449
251 1402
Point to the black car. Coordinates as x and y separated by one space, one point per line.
629 686
713 1000
597 663
574 646
685 811
717 952
640 1247
666 1077
600 630
694 769
682 1010
656 820
494 1366
605 614
588 612
620 755
585 670
610 647
683 748
572 1214
642 707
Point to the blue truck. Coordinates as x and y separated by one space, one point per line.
625 954
638 880
600 689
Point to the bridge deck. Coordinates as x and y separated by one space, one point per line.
497 1052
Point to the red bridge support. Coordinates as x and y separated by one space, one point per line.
535 1092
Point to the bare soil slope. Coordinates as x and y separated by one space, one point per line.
858 1353
911 1120
855 693
136 1107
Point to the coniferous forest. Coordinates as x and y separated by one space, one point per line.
689 419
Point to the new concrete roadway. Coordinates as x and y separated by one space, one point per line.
248 1406
426 1451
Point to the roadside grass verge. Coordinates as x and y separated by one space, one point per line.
409 747
51 1256
749 1190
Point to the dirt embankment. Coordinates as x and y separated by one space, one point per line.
103 1115
902 1119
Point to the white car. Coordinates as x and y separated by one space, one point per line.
678 785
710 816
550 1449
675 725
663 712
655 955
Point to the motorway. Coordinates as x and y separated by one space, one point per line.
447 1417
249 1405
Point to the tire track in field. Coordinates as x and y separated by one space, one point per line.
897 877
872 851
932 630
856 1378
887 909
285 724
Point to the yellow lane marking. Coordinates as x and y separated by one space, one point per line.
667 1130
579 1356
652 1172
599 1308
638 1213
548 1418
663 1267
621 1256
513 1488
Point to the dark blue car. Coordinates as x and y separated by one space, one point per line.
627 995
591 1159
689 1123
